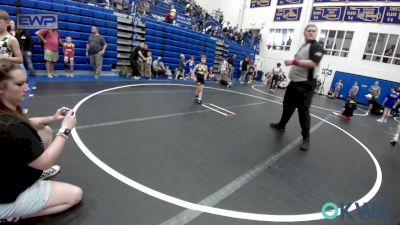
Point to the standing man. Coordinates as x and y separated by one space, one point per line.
95 49
137 54
375 91
276 73
231 68
51 40
301 88
243 74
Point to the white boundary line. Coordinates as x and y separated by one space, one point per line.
222 109
213 210
208 107
314 106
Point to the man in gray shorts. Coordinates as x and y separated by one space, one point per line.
95 49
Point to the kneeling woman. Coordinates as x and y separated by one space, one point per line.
24 154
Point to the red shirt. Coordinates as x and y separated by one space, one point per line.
51 37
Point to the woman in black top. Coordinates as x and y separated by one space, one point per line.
22 162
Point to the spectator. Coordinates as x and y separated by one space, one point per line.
224 72
134 58
51 40
180 71
168 72
95 49
170 17
243 75
158 67
190 65
142 61
144 7
149 62
26 44
7 44
276 73
375 91
231 63
24 195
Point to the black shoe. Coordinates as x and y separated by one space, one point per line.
199 102
305 145
393 142
277 127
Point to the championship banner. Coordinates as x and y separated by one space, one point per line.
318 1
373 14
392 15
289 2
287 14
328 13
259 3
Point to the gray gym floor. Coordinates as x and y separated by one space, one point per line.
154 135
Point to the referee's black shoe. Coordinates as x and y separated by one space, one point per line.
277 127
305 145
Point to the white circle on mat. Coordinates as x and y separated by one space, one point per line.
213 210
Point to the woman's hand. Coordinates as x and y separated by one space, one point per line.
69 121
61 113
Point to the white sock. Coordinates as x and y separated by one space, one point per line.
396 137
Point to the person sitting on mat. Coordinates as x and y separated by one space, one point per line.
348 109
23 194
199 74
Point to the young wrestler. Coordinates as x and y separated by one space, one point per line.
69 49
201 72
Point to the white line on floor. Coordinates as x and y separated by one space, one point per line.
208 107
222 109
188 215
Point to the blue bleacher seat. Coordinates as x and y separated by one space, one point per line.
73 10
12 10
59 8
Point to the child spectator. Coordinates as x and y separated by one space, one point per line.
391 101
190 65
211 75
149 63
168 72
69 49
348 110
180 71
199 73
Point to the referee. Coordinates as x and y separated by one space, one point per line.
300 89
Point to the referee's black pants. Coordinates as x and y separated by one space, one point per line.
298 95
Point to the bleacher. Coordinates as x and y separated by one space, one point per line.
75 20
241 53
168 41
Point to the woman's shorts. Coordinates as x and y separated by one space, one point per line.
29 202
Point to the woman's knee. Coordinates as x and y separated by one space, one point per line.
76 194
64 193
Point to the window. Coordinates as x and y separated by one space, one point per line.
336 42
280 39
383 48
